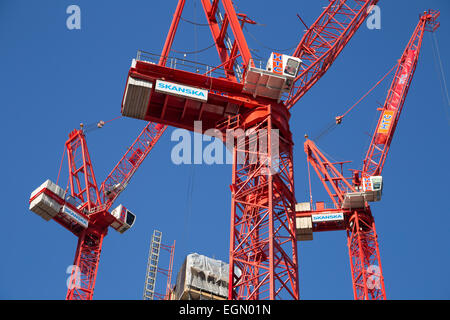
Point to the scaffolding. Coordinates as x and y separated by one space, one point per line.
152 268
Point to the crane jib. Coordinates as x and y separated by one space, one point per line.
390 112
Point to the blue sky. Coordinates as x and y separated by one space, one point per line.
52 79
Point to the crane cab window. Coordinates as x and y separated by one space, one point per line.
130 218
377 183
291 67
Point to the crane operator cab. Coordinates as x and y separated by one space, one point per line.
373 188
277 78
124 219
370 191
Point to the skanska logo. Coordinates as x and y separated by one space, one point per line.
177 89
75 216
328 217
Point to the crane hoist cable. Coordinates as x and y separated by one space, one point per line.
338 120
195 23
310 188
193 52
330 126
329 156
441 75
97 125
195 31
262 44
60 165
188 214
254 54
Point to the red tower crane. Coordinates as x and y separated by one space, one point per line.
350 195
234 97
84 209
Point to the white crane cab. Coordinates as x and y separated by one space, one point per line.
284 65
277 78
124 219
373 188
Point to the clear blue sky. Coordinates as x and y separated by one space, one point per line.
52 78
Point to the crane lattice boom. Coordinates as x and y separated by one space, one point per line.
324 40
350 195
390 113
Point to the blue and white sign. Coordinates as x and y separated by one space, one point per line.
181 91
72 215
332 216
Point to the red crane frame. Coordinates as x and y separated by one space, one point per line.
362 240
263 246
263 249
96 203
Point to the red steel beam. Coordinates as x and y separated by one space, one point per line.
324 40
395 100
263 247
364 253
172 31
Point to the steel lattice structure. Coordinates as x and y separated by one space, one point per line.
263 242
362 238
152 268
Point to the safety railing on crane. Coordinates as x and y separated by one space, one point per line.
182 64
262 65
316 206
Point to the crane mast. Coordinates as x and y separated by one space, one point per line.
81 174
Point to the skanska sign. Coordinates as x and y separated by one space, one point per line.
181 91
72 215
338 216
